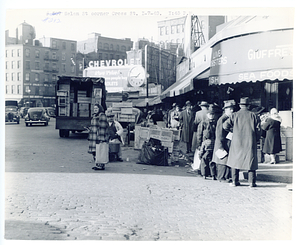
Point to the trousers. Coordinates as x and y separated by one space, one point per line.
251 175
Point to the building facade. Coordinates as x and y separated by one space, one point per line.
32 67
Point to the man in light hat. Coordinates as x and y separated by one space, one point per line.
245 128
170 112
115 132
222 144
186 119
199 116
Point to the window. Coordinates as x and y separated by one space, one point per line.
111 47
162 30
72 69
27 77
178 28
63 56
6 77
118 48
13 76
18 89
167 30
64 45
100 45
54 66
63 67
106 56
37 54
7 89
111 56
27 65
19 52
54 55
106 46
6 53
46 77
173 28
19 76
123 48
6 65
54 44
12 65
53 78
19 64
27 52
47 55
37 77
12 53
47 66
27 89
37 65
72 46
12 89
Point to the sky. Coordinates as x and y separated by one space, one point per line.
122 22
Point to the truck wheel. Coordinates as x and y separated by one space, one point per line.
61 133
67 133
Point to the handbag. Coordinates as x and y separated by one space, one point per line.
102 152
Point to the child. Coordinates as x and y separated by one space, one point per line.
206 153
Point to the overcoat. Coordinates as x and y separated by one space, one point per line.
199 116
187 126
272 144
246 133
221 142
98 131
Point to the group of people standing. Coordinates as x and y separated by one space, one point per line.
227 142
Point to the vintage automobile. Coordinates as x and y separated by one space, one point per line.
36 115
50 111
12 114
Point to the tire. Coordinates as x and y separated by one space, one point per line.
67 133
26 124
61 133
64 133
46 123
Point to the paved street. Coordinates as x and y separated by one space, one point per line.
53 194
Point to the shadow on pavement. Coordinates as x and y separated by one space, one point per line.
21 230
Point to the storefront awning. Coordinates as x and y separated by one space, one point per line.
186 84
254 57
151 102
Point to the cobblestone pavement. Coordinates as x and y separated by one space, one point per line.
142 207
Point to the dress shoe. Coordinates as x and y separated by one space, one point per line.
252 185
214 177
234 184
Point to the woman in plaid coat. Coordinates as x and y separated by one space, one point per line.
98 128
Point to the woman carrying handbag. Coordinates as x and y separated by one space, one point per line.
98 138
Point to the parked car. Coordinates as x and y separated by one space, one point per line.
12 114
36 115
50 111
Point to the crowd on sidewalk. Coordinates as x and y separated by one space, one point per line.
222 140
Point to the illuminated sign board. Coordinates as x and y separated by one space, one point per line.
101 63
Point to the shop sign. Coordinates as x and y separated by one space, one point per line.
260 56
100 63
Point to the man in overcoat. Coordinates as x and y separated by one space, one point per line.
223 143
199 116
186 119
245 126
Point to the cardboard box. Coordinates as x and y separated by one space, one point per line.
155 133
122 104
168 144
176 135
128 111
166 135
141 134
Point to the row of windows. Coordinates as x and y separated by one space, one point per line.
110 56
37 77
13 89
37 54
13 64
13 54
165 30
64 45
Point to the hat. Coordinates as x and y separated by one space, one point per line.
204 103
229 103
174 104
244 101
109 114
188 103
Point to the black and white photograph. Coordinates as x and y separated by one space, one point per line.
132 123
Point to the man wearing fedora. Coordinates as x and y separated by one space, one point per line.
199 116
245 128
222 144
186 119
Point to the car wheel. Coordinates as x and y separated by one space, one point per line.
46 123
26 124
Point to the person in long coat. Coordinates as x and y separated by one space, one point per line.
245 127
222 143
186 119
97 130
272 144
199 116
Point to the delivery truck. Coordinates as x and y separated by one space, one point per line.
75 100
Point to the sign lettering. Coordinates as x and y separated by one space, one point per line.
97 63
